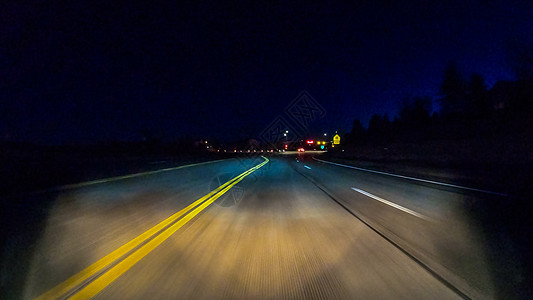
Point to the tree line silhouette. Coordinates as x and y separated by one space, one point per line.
468 110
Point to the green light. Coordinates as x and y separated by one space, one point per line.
322 147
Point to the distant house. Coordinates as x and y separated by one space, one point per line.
516 95
500 95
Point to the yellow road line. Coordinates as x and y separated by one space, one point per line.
94 268
101 282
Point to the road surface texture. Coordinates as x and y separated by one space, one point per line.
263 228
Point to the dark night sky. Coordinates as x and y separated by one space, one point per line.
73 72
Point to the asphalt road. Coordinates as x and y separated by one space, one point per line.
264 228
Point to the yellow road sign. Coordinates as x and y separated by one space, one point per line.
336 139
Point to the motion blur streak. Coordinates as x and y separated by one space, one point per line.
77 279
269 233
101 282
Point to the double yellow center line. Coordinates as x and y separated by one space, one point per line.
145 243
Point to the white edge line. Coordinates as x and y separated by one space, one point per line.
407 210
104 180
414 178
307 167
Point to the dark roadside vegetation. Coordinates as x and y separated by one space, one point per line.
480 138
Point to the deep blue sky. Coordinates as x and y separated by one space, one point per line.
74 72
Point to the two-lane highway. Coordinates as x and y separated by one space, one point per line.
242 228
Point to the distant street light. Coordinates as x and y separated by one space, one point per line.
325 134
